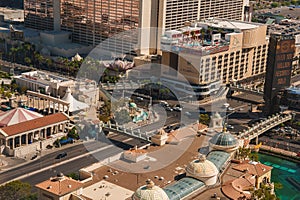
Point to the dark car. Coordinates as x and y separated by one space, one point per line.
61 155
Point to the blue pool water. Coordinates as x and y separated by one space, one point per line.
285 172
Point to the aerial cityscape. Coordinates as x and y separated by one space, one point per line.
149 100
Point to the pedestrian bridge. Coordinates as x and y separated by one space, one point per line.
122 85
129 131
265 125
247 89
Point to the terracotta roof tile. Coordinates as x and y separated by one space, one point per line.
253 168
34 124
60 187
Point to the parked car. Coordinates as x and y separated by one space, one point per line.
188 114
164 103
61 155
177 108
230 126
169 109
140 98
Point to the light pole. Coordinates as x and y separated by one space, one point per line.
234 110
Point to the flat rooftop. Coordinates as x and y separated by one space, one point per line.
229 24
12 14
106 190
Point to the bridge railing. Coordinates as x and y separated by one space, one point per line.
264 125
129 131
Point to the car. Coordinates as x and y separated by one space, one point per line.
169 109
188 114
176 126
140 98
230 126
61 155
177 108
168 129
202 110
164 103
231 109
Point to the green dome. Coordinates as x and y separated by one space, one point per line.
224 139
132 105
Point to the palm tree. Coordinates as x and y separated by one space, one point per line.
12 52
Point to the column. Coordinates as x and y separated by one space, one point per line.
38 103
51 130
26 139
58 107
48 106
33 102
54 104
43 104
13 143
28 101
68 110
256 140
64 127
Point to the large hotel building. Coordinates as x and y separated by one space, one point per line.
92 21
212 52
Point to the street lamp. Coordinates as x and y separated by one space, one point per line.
234 110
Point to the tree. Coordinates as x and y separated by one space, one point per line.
274 5
204 119
16 190
74 176
243 153
27 60
254 157
264 193
73 133
122 117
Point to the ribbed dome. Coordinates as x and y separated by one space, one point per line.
224 139
202 168
150 192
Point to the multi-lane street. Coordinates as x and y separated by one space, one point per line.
77 157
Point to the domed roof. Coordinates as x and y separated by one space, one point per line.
16 116
202 168
132 105
224 139
150 192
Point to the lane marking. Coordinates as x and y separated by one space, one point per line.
58 164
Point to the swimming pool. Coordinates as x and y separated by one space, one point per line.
285 172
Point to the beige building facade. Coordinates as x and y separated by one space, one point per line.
215 51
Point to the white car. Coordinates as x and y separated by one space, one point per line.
188 114
169 109
164 103
140 98
177 109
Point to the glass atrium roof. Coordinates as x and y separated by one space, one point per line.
182 188
224 139
219 158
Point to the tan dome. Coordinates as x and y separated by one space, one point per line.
202 168
150 192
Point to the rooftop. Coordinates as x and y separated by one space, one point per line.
60 185
253 168
33 124
229 24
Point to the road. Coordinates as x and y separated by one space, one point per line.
50 160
